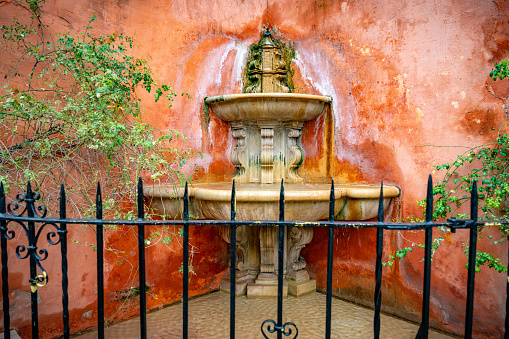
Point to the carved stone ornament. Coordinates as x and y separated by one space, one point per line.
298 238
266 69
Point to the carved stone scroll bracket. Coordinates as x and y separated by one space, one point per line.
295 154
267 151
239 155
244 273
298 238
241 248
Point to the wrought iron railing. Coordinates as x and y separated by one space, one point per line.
33 221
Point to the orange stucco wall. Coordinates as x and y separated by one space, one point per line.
405 76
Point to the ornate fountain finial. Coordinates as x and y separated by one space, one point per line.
266 69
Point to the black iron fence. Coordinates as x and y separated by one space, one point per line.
33 221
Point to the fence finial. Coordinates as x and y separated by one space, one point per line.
282 202
332 201
140 198
98 202
474 202
2 198
381 203
233 203
62 202
186 203
429 200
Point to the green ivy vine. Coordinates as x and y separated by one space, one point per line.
488 164
70 113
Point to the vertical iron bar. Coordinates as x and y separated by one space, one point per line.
280 262
5 270
141 262
506 330
423 329
472 252
185 275
100 264
63 252
32 248
330 250
378 264
233 262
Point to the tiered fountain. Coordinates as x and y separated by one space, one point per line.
266 121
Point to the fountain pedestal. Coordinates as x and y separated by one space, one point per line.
258 277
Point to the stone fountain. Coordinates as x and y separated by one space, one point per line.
266 122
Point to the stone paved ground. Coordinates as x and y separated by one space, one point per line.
14 335
209 318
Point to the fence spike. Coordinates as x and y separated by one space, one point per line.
62 202
2 198
506 330
429 200
233 261
472 253
330 251
29 189
381 204
280 260
378 264
332 201
98 198
186 203
141 261
140 200
233 204
100 263
29 200
474 202
185 264
64 263
282 202
5 269
423 329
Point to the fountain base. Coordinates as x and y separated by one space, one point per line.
242 279
265 286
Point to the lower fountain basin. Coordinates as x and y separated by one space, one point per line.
303 201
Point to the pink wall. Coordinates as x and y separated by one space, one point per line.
403 75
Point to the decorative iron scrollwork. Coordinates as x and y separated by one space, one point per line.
29 199
271 326
7 233
54 236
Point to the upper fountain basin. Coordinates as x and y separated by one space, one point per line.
268 106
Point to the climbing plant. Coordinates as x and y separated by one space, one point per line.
70 112
501 70
488 164
76 113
